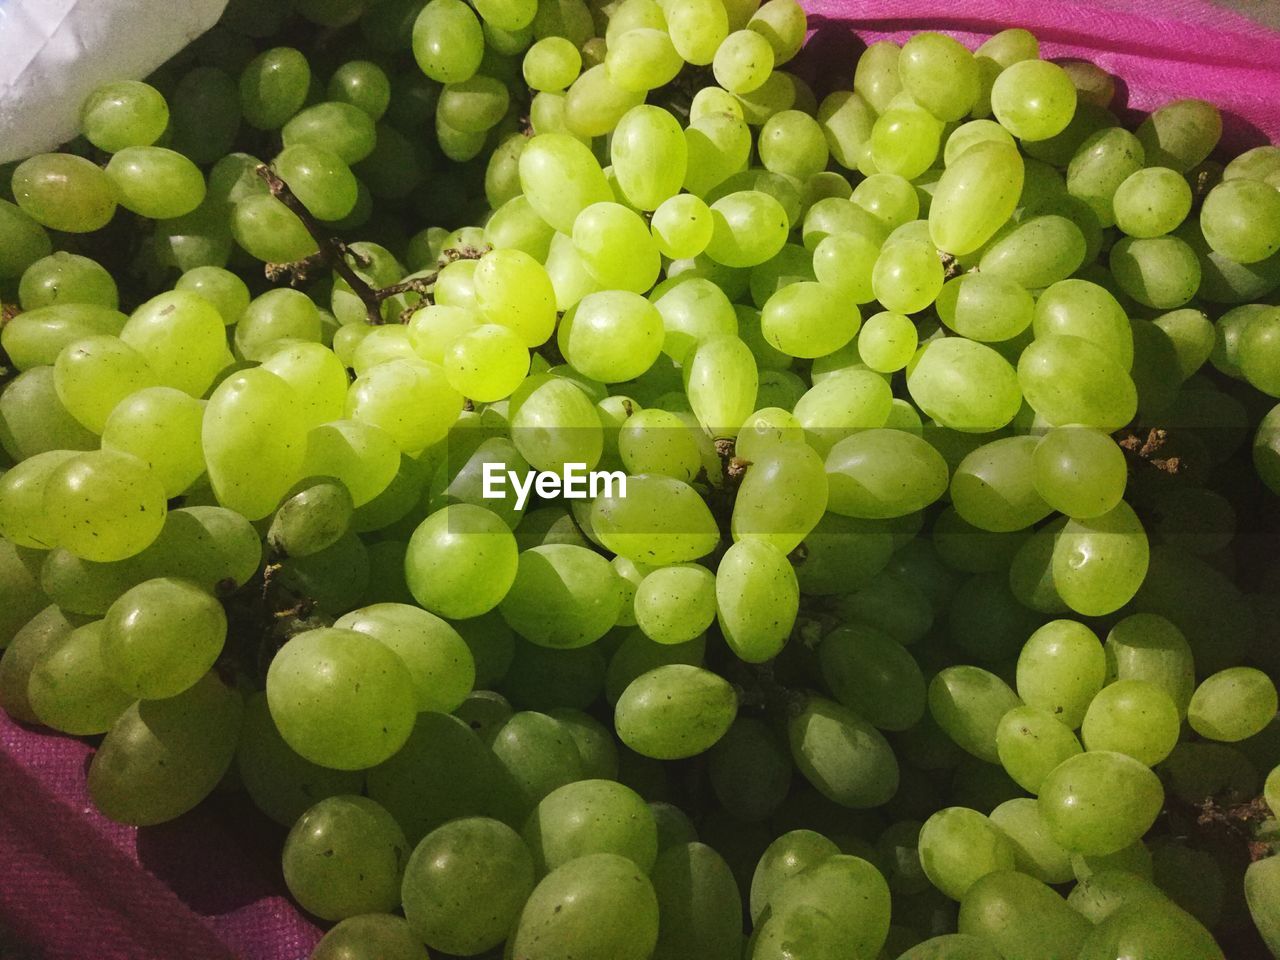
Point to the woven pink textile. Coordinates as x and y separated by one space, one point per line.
74 886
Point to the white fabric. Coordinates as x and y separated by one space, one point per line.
54 53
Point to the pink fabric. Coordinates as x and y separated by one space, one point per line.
1161 49
75 886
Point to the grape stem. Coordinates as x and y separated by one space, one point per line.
1147 449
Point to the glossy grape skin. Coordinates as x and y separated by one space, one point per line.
64 192
964 385
842 755
1146 929
370 936
1017 913
66 278
1261 883
975 197
1037 252
1232 704
1069 380
968 703
155 182
562 596
104 505
675 711
939 74
1099 564
1133 717
561 178
273 87
850 891
757 599
880 474
1099 802
587 817
1030 743
162 757
68 687
1033 99
1060 669
959 846
126 113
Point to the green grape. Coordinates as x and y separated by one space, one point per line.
1099 802
758 597
273 87
555 423
1261 885
594 103
363 457
642 59
951 946
1082 309
370 936
103 505
1019 915
590 817
972 134
31 634
888 197
126 113
439 661
1192 335
254 441
346 131
1151 202
782 22
1240 219
1180 134
881 474
457 866
750 770
842 755
845 262
281 783
539 754
1148 648
904 141
992 487
1259 351
461 561
66 278
1035 853
964 385
409 399
25 240
697 29
1101 164
809 319
64 192
269 231
656 441
876 77
675 711
699 903
551 64
33 420
1099 564
474 105
1030 742
182 338
514 290
986 308
222 288
852 895
718 146
611 336
749 227
782 496
362 84
36 337
68 687
600 906
743 61
887 341
939 74
637 655
968 703
341 698
676 604
846 120
1069 380
959 846
204 114
1266 449
792 143
515 225
1150 927
1134 717
487 363
907 276
1079 472
344 857
649 156
155 182
788 855
1232 704
1033 99
92 375
563 596
874 674
1036 253
319 178
162 636
720 379
975 198
682 225
317 376
694 309
1160 272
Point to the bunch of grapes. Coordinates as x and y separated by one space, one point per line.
937 614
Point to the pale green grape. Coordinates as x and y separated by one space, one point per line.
1151 202
472 106
959 846
222 288
749 227
1019 915
611 336
486 363
36 337
270 231
904 141
1150 927
1099 802
516 226
1100 165
876 76
845 263
986 308
968 703
66 278
104 505
1082 309
1149 648
1030 742
24 522
254 441
362 84
718 146
792 143
1180 134
939 74
1134 717
849 891
782 22
1232 704
975 197
563 596
162 757
743 61
699 902
314 517
25 241
1079 472
842 755
637 655
551 64
642 59
155 182
538 754
340 698
1069 380
972 134
846 120
887 341
409 399
675 711
30 634
840 405
872 673
758 597
363 457
1240 219
182 338
1035 852
514 290
273 87
344 857
693 309
649 156
64 192
1033 99
788 855
1099 563
964 385
721 380
881 474
1261 886
370 936
809 319
346 131
676 604
94 374
656 441
590 817
601 907
1036 253
162 636
69 687
697 29
594 104
461 561
1160 272
276 319
951 946
126 113
907 276
317 376
458 866
993 487
660 520
319 178
682 225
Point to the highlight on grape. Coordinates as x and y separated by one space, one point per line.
610 488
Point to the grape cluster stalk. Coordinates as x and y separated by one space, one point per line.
938 619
